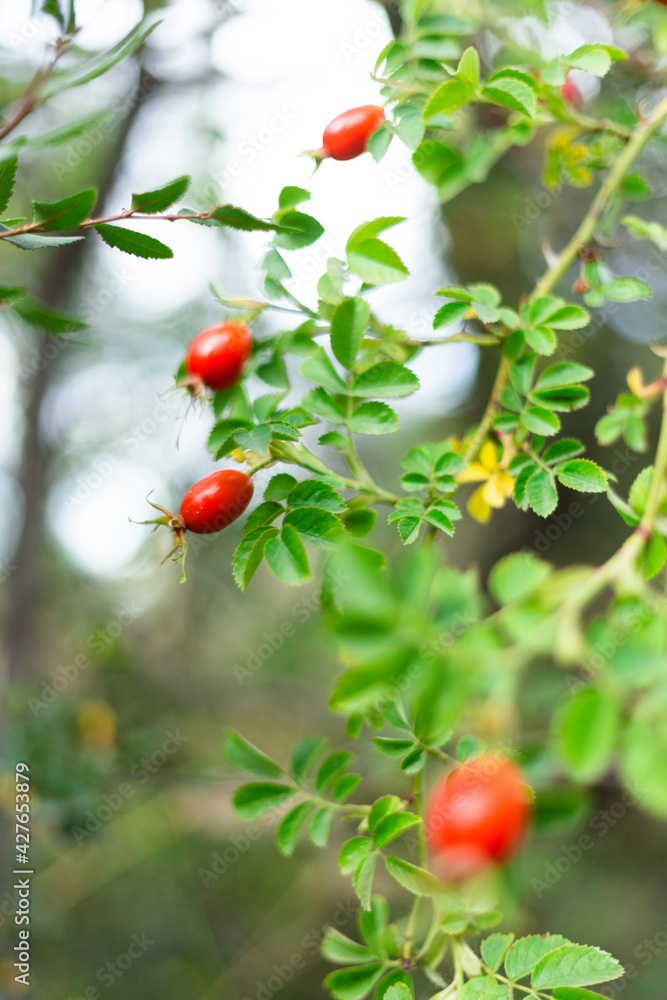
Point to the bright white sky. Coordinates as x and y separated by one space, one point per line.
289 68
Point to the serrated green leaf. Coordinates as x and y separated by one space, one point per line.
562 374
539 420
76 77
541 492
249 554
348 325
286 557
376 263
541 339
642 229
137 244
363 880
511 93
151 202
296 230
393 826
387 378
259 797
416 880
33 241
318 368
583 475
315 493
8 170
353 852
450 96
304 754
353 984
247 757
290 827
342 950
373 418
575 965
524 954
53 320
319 830
494 949
331 767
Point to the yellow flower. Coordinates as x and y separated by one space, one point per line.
497 483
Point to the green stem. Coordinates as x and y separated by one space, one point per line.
568 254
656 488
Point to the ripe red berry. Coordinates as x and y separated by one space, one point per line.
571 93
347 135
215 501
476 816
216 356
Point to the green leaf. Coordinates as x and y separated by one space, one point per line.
315 493
567 993
644 763
398 991
524 954
484 988
353 852
594 59
279 486
290 827
541 339
238 218
387 378
494 949
292 196
511 93
583 475
342 950
563 373
654 555
541 493
451 312
286 557
642 229
320 403
538 420
296 229
575 965
353 984
137 244
318 368
33 241
249 554
304 755
53 320
66 214
416 880
150 202
626 290
392 747
360 521
363 880
348 325
566 448
382 807
247 757
330 768
8 170
393 826
374 418
468 66
563 400
586 733
95 67
516 577
450 96
376 263
320 826
372 923
257 798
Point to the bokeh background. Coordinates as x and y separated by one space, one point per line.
120 683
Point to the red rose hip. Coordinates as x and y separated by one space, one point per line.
477 815
218 355
215 501
346 137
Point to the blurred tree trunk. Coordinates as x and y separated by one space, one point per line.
28 581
